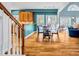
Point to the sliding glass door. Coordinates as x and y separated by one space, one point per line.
51 20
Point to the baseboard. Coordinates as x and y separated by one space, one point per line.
5 51
30 35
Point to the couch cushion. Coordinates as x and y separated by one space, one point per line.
73 32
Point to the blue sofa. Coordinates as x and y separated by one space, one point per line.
73 32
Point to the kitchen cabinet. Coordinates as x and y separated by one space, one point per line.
26 17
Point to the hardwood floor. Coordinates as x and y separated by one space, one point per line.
65 46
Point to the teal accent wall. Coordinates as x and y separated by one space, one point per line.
16 12
29 28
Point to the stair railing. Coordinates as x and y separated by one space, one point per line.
15 35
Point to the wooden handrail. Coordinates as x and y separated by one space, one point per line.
10 15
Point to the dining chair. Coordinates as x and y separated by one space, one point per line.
55 30
39 31
46 32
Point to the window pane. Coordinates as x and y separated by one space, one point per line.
51 20
40 19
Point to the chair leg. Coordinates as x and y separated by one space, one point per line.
49 37
58 36
43 37
37 37
52 38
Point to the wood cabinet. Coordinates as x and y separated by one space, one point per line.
21 16
30 17
26 17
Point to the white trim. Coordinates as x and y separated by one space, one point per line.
6 50
30 35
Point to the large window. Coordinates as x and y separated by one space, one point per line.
47 20
40 19
73 7
77 20
51 20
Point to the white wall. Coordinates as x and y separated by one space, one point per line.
1 17
16 17
6 32
35 5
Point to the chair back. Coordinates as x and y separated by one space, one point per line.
54 28
45 29
40 28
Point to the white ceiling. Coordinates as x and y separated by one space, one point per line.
35 5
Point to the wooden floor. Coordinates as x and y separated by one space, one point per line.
65 46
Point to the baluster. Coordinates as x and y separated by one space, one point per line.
17 41
22 38
13 39
9 37
20 41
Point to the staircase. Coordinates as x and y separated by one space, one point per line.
15 35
